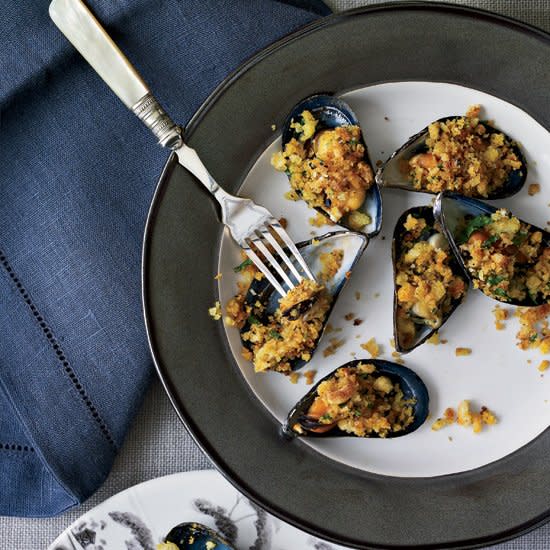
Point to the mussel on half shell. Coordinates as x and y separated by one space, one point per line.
264 300
195 536
415 318
303 420
506 258
331 113
393 174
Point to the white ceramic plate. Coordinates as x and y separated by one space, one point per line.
140 517
497 374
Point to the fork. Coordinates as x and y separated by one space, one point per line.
252 226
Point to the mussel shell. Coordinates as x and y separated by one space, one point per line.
195 536
332 112
410 383
450 210
353 244
390 175
423 331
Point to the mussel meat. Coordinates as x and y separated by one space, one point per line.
282 335
506 258
457 153
326 160
362 398
193 536
429 281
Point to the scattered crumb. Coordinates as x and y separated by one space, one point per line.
319 220
395 354
372 347
529 361
501 315
338 329
347 274
357 295
533 189
433 339
386 118
449 438
357 336
309 375
544 364
329 328
349 316
465 417
315 242
215 312
353 354
443 340
335 343
377 294
400 361
283 222
293 377
357 322
534 329
218 276
273 127
447 419
292 196
383 237
392 343
462 352
379 163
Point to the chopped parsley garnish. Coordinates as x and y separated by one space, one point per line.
473 225
288 172
487 243
519 238
533 338
501 292
495 279
242 265
253 320
326 418
356 412
274 334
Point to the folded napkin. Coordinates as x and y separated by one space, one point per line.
77 174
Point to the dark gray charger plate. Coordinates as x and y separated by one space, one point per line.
391 42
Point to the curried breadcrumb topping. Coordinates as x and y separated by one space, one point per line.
506 257
327 168
357 400
463 155
331 262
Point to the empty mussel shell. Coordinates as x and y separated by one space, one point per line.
395 173
330 113
414 322
195 536
356 405
498 241
263 300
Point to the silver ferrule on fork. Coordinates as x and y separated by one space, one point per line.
150 112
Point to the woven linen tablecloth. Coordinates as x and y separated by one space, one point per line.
158 444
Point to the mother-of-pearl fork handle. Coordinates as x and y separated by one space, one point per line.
85 33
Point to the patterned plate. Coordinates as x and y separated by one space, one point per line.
139 517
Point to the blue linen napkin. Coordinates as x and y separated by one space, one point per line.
77 174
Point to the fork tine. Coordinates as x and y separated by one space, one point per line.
258 243
277 227
264 269
282 254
